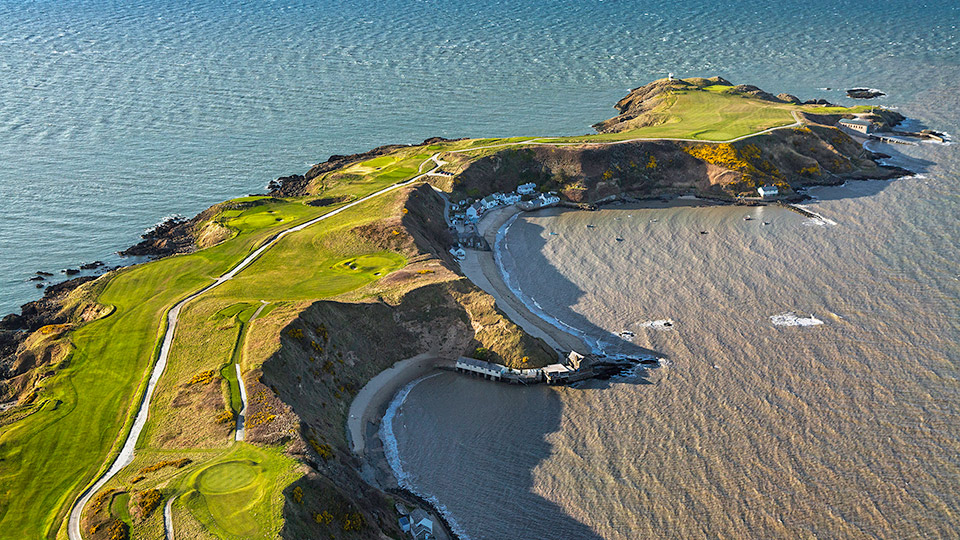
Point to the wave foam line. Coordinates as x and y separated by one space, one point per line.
596 345
391 451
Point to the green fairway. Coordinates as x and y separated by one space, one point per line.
46 461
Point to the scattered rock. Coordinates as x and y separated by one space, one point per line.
39 285
820 101
864 93
38 278
788 98
70 271
173 235
42 273
92 265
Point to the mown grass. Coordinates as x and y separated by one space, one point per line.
46 460
702 115
238 494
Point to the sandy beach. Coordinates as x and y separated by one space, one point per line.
481 268
368 407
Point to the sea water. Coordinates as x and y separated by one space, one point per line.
116 114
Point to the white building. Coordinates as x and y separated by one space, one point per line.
490 201
421 526
473 213
768 191
510 198
526 189
557 373
458 252
858 125
487 370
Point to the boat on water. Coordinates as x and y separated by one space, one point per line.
619 239
747 218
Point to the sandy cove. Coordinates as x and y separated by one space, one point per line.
481 268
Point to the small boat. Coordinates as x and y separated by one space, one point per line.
619 239
704 232
654 220
766 222
626 334
553 234
747 218
591 226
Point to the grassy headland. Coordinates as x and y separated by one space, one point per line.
345 298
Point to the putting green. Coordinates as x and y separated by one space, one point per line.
227 477
228 492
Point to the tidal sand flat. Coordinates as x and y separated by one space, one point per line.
750 428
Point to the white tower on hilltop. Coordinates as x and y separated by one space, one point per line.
670 76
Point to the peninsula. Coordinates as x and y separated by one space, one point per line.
227 389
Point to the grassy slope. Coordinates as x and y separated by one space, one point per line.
712 113
46 460
329 261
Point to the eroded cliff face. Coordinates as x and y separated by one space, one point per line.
815 154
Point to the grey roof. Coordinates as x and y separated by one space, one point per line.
480 364
856 121
418 515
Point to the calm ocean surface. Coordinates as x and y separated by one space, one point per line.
113 115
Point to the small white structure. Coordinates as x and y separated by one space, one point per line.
487 370
421 526
510 198
490 201
526 189
458 253
557 373
858 125
473 213
768 191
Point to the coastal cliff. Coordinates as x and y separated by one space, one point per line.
308 355
811 152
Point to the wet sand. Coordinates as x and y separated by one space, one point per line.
481 268
372 400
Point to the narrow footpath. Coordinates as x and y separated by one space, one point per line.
242 414
125 457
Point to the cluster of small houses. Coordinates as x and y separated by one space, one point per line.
564 373
467 211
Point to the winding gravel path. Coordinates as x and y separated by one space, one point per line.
125 457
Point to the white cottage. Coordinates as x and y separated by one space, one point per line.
768 191
526 189
421 526
490 201
510 198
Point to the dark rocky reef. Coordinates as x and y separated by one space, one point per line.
173 235
864 93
